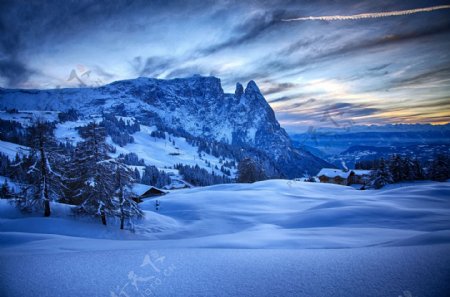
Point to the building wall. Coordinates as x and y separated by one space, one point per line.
359 179
336 180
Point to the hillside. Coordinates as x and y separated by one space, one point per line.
243 123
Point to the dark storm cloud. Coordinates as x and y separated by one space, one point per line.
12 68
33 25
30 24
14 71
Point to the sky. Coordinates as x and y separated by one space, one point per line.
318 63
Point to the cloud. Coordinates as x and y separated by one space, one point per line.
293 97
302 44
102 72
12 68
370 15
151 66
14 71
380 67
347 110
247 31
431 76
82 29
277 88
282 99
429 105
296 66
188 71
338 114
304 104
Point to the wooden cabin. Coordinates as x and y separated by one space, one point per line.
152 192
335 176
360 177
344 177
145 191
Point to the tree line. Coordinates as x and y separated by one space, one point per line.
82 175
402 168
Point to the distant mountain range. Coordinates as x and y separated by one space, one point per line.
338 140
382 128
337 145
196 108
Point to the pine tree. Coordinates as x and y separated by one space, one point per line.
382 176
96 177
45 183
126 207
407 169
417 169
250 171
395 167
137 175
153 177
439 170
5 190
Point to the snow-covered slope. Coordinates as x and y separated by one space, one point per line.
271 214
11 149
195 105
164 154
272 238
366 272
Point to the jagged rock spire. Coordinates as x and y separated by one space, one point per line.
239 90
252 88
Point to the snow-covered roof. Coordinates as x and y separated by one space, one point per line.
362 172
332 172
140 189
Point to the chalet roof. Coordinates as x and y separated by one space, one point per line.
140 189
332 172
362 172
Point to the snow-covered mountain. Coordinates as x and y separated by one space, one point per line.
195 106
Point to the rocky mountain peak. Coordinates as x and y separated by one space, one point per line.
252 88
196 106
239 90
